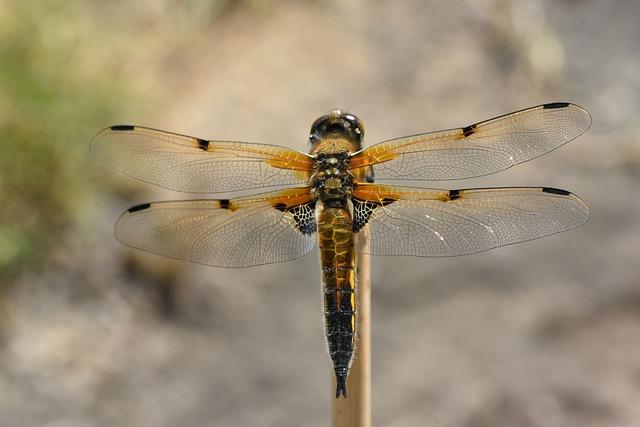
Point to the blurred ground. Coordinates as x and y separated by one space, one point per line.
93 334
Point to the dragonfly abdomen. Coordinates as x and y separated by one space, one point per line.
337 257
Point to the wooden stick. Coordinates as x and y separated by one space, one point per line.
355 410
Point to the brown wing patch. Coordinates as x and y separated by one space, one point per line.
384 194
287 199
284 160
362 159
374 193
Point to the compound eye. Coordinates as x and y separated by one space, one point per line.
356 124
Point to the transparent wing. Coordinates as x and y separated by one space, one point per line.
479 149
184 163
241 232
440 223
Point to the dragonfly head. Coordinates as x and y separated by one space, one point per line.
337 126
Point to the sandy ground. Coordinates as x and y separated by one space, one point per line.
539 334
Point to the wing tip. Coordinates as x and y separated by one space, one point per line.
95 145
584 208
575 107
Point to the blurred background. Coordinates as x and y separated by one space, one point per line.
545 333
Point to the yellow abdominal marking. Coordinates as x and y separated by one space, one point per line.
337 254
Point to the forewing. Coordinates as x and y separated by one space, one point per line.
479 149
243 232
184 163
440 223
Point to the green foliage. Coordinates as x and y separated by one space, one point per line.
67 68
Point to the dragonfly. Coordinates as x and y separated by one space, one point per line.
343 195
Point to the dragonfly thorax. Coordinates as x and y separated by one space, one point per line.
331 181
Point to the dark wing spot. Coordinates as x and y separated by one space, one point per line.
454 194
363 209
224 203
305 217
553 105
122 127
139 207
369 176
555 191
280 206
203 144
387 201
466 131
